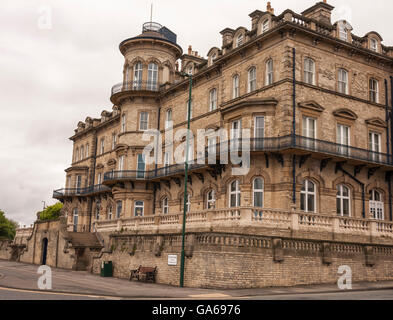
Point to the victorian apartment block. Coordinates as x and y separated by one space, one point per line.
317 100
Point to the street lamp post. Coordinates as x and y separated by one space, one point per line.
182 258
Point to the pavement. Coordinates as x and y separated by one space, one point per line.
17 278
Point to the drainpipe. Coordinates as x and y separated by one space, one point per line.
363 189
93 176
156 164
388 174
294 128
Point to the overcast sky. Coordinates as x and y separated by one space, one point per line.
52 78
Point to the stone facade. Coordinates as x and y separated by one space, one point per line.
313 97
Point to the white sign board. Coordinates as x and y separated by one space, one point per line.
172 259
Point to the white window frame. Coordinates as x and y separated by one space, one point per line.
82 152
138 74
121 163
143 123
375 145
343 198
343 81
236 134
235 84
258 191
168 119
236 193
265 26
343 33
252 80
114 138
309 71
110 213
165 205
341 137
99 178
306 193
102 145
152 76
75 219
374 90
269 72
374 45
211 199
141 173
239 40
213 99
376 207
188 203
139 204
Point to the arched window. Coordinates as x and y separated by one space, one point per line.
110 209
376 205
269 72
235 81
165 206
308 196
75 219
77 154
119 208
234 194
152 77
343 33
168 120
239 40
211 199
343 81
374 45
265 26
309 71
343 201
87 151
257 192
252 79
374 90
188 203
213 99
138 76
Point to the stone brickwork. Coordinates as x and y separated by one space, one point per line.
224 260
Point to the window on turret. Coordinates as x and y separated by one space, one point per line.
143 121
137 76
152 77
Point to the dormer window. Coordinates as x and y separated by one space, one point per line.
239 40
265 26
343 34
374 45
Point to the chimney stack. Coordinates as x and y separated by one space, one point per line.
269 8
189 50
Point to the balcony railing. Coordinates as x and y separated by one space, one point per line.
153 86
152 174
253 217
68 192
262 145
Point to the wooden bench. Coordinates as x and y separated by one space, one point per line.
148 273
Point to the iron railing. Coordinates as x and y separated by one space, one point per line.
153 86
80 191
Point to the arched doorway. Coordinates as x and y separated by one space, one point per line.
44 250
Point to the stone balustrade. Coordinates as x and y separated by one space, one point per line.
252 217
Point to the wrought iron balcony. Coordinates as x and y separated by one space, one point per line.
152 86
72 192
172 170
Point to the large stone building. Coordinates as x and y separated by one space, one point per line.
316 99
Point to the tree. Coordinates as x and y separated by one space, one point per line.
7 227
51 212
